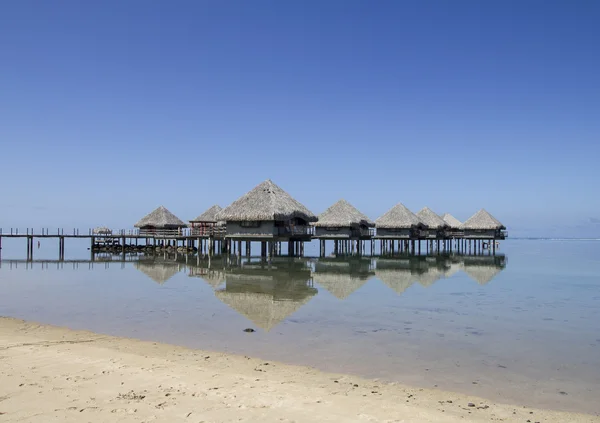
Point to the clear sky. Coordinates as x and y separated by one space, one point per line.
109 109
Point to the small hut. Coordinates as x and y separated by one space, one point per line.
343 221
399 223
267 213
160 222
205 224
483 225
437 228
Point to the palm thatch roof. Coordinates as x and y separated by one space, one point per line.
158 272
399 280
398 217
340 285
342 215
452 221
161 218
482 220
266 202
431 219
209 215
263 309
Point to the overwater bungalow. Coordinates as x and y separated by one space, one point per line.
399 223
160 222
343 222
483 225
437 228
207 223
268 214
454 224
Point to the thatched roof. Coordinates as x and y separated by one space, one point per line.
431 219
482 220
482 274
398 280
262 309
398 217
342 215
266 202
340 285
161 218
209 215
452 221
158 272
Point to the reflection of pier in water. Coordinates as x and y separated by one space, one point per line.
268 292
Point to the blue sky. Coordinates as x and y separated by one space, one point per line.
109 109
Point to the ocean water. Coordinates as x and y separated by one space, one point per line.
521 327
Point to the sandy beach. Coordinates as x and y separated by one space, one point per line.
52 374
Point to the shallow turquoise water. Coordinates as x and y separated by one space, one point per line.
523 327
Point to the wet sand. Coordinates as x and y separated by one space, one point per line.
52 374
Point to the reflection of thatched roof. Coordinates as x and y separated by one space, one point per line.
340 285
102 230
452 221
213 277
431 219
482 274
158 272
209 216
343 214
398 280
266 304
398 217
161 218
454 268
482 220
266 202
429 277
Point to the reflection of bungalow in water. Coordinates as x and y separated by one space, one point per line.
399 223
160 222
395 273
437 228
483 269
267 213
343 221
207 223
266 297
483 225
342 276
159 272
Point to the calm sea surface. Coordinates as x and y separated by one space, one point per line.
522 327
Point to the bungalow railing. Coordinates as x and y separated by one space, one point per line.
161 232
364 232
214 231
296 230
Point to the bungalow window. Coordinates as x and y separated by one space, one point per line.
331 229
250 224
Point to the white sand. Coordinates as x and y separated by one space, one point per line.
50 374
